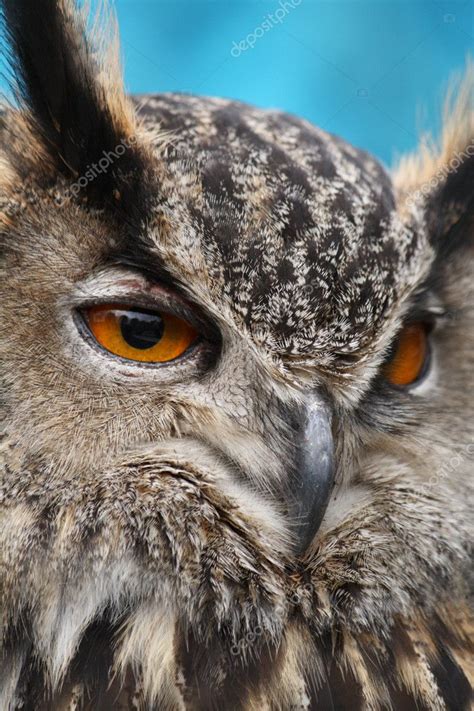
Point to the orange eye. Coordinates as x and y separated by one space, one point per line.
145 336
410 356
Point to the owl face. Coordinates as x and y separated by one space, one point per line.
277 271
233 358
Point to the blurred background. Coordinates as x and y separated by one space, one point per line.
372 71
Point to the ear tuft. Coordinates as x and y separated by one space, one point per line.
68 84
439 178
415 171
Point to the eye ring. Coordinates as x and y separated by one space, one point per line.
410 359
138 335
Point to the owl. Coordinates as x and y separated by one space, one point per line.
237 363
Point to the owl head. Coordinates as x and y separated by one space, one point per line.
237 398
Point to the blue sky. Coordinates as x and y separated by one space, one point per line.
372 71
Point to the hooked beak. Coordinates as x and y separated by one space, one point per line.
313 475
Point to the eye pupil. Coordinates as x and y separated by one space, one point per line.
142 330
